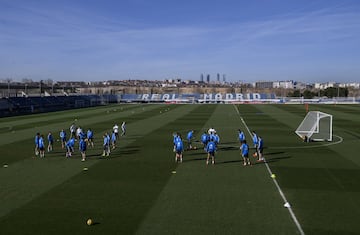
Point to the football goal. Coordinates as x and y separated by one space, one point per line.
316 126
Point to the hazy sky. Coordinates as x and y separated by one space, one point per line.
252 40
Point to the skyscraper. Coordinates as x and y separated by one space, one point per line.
208 78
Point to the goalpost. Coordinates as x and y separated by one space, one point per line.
316 126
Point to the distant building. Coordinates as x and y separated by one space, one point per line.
202 78
208 78
355 85
284 84
301 85
168 85
263 85
323 86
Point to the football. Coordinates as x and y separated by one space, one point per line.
89 222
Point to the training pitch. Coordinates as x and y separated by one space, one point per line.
303 188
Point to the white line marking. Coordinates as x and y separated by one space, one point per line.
341 139
312 146
275 181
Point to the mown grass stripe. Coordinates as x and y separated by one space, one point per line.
226 198
52 118
137 169
106 118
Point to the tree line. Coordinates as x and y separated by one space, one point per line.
329 92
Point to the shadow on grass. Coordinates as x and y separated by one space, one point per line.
229 162
197 153
93 155
118 152
130 137
232 142
130 150
126 151
229 148
95 223
195 159
274 153
275 159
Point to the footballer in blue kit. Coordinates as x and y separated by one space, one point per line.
70 146
113 140
90 137
179 149
245 153
106 145
260 149
50 142
255 142
176 137
82 148
211 149
241 136
41 146
205 139
63 138
37 137
189 139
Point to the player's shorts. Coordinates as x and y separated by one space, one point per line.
41 148
245 155
178 151
63 139
260 150
212 154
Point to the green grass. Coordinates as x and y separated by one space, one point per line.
135 192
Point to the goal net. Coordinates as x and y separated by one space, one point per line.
316 126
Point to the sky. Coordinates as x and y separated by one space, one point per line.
245 40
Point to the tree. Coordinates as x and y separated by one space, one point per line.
295 93
308 94
336 92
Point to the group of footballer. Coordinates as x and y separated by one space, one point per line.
210 141
244 147
78 135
